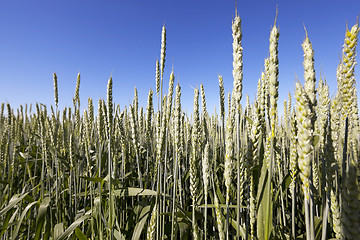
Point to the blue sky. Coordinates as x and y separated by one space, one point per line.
122 39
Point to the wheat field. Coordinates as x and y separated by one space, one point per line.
244 172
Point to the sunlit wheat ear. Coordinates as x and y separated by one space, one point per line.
336 216
91 112
309 70
170 96
255 132
100 121
157 77
293 151
203 101
109 102
134 129
348 68
332 171
222 97
76 98
229 102
219 218
206 169
289 104
56 97
335 110
162 58
2 113
304 121
286 115
161 121
265 84
136 105
349 204
163 51
195 137
237 59
262 102
273 76
177 145
87 137
71 152
258 92
149 114
310 89
305 135
323 110
177 116
152 224
206 177
229 151
350 190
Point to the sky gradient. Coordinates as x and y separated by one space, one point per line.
121 39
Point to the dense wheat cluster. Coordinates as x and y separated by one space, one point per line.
136 173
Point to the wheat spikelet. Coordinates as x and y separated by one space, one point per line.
305 135
273 76
229 151
56 96
109 102
157 77
255 132
293 151
149 114
336 216
100 121
163 51
347 82
323 110
237 59
206 169
309 70
252 201
152 225
219 218
160 138
203 101
170 95
76 98
222 97
206 178
195 137
335 109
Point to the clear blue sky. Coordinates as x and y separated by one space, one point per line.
122 38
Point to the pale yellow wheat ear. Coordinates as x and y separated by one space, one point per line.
162 57
273 76
309 69
304 116
152 224
195 142
349 206
222 96
157 77
237 59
